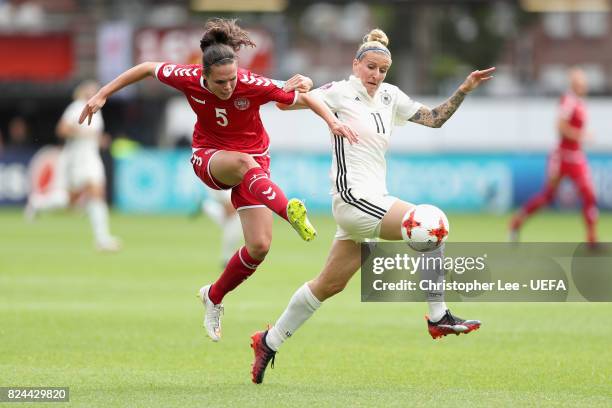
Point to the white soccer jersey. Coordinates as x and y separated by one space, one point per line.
86 137
82 161
359 170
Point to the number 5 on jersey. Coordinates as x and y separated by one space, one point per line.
222 115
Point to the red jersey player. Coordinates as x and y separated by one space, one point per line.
567 160
230 146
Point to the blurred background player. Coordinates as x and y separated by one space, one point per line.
218 207
82 171
362 206
230 146
567 160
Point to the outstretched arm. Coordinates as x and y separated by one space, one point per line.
437 116
130 76
298 82
301 84
318 107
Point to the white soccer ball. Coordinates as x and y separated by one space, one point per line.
425 227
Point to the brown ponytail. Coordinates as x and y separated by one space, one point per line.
220 42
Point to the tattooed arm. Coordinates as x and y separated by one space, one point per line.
437 116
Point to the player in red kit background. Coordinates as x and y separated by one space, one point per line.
567 160
230 146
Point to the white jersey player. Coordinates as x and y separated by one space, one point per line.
82 169
362 206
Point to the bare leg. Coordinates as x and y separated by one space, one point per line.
391 230
343 261
257 230
230 167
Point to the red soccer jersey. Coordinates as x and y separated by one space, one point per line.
573 110
233 124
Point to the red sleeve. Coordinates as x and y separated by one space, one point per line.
268 90
176 75
277 94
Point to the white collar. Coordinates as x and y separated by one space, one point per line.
358 86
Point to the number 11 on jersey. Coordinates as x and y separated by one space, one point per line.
378 118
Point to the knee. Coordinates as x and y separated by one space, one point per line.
259 248
588 196
549 194
96 191
244 162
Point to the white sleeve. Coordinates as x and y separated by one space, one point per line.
405 108
329 94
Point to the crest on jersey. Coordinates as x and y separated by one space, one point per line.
385 98
242 103
168 70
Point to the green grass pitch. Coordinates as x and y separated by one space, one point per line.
125 329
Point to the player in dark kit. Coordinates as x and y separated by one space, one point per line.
567 160
230 146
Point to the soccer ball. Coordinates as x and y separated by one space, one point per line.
425 227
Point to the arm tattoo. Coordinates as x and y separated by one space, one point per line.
437 116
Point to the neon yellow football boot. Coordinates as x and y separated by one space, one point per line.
296 213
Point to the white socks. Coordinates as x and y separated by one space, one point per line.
97 210
230 225
301 306
434 272
214 211
232 235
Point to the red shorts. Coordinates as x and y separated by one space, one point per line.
568 163
241 197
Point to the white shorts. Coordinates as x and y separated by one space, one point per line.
220 196
360 219
83 168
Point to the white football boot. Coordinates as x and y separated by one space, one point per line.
212 315
110 244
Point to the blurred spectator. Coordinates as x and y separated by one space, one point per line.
18 132
22 15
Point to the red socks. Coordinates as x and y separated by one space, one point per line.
242 265
589 209
266 191
238 269
590 212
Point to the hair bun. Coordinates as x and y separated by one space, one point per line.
226 32
377 35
